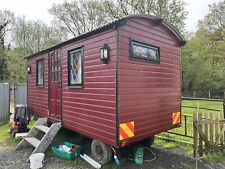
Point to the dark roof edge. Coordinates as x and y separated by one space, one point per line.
114 24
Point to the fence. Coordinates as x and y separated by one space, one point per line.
185 131
21 94
4 102
209 131
210 94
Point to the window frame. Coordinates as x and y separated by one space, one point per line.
37 62
80 85
146 45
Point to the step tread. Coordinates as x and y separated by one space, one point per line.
33 141
42 128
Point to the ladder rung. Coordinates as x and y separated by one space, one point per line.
33 141
42 128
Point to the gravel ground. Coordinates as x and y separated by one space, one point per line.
165 159
10 159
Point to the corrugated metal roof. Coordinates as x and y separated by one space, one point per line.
116 23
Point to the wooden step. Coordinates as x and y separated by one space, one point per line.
33 141
43 128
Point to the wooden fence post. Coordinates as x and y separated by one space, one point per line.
206 119
224 105
195 134
200 138
221 127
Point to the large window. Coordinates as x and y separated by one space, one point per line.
145 51
75 69
40 72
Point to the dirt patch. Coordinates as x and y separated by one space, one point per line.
10 159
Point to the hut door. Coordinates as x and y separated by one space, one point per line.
55 85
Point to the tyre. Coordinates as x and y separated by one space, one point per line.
148 141
102 153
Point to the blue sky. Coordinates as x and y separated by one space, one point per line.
38 9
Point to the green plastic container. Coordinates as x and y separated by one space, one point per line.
67 155
139 155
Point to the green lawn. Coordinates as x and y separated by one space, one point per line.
202 104
189 112
5 138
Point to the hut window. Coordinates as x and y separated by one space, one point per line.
144 51
40 72
75 71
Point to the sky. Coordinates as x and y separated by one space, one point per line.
38 9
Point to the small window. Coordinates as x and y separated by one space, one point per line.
145 51
40 72
75 71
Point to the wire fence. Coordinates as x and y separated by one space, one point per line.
185 131
207 94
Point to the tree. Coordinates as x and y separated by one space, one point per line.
80 16
28 37
203 58
34 36
171 10
6 23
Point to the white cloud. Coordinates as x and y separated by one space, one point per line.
197 9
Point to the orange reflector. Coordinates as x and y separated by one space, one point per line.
126 130
123 144
176 118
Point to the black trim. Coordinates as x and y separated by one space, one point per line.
144 44
117 89
81 49
37 61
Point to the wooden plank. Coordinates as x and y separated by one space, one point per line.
206 128
200 138
43 128
33 141
220 134
216 128
201 134
20 135
47 139
33 132
195 134
221 127
211 128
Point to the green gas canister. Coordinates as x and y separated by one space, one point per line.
139 155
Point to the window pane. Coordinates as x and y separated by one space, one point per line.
143 51
75 72
40 73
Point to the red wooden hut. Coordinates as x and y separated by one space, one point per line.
118 84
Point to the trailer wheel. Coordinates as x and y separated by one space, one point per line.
101 152
149 141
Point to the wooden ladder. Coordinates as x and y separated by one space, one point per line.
40 145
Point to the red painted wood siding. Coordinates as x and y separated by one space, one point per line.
148 92
38 96
91 110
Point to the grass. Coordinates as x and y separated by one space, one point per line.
206 104
212 157
5 138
